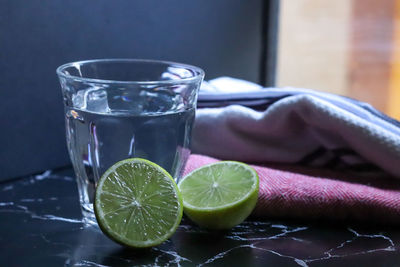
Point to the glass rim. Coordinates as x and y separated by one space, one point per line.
199 73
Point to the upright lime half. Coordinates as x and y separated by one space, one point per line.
220 195
137 203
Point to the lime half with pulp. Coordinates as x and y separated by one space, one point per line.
137 203
220 195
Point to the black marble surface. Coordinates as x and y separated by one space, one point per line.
41 225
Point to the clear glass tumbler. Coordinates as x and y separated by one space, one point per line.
123 108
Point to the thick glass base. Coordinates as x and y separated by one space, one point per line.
88 214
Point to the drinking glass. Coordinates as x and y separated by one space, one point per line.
124 108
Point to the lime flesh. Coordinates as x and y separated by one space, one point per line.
137 203
220 195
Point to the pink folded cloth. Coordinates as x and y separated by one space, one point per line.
293 192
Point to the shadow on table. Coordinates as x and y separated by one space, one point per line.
189 246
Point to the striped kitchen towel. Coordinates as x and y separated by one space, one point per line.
239 120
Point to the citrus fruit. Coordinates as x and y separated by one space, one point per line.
220 195
137 203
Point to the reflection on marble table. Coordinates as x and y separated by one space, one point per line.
41 225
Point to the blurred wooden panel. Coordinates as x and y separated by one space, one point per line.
394 88
313 44
371 51
347 47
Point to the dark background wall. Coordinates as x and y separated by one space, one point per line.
221 36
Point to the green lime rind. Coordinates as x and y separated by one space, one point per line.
137 203
239 184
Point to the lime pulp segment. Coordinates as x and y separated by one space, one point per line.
137 203
220 195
